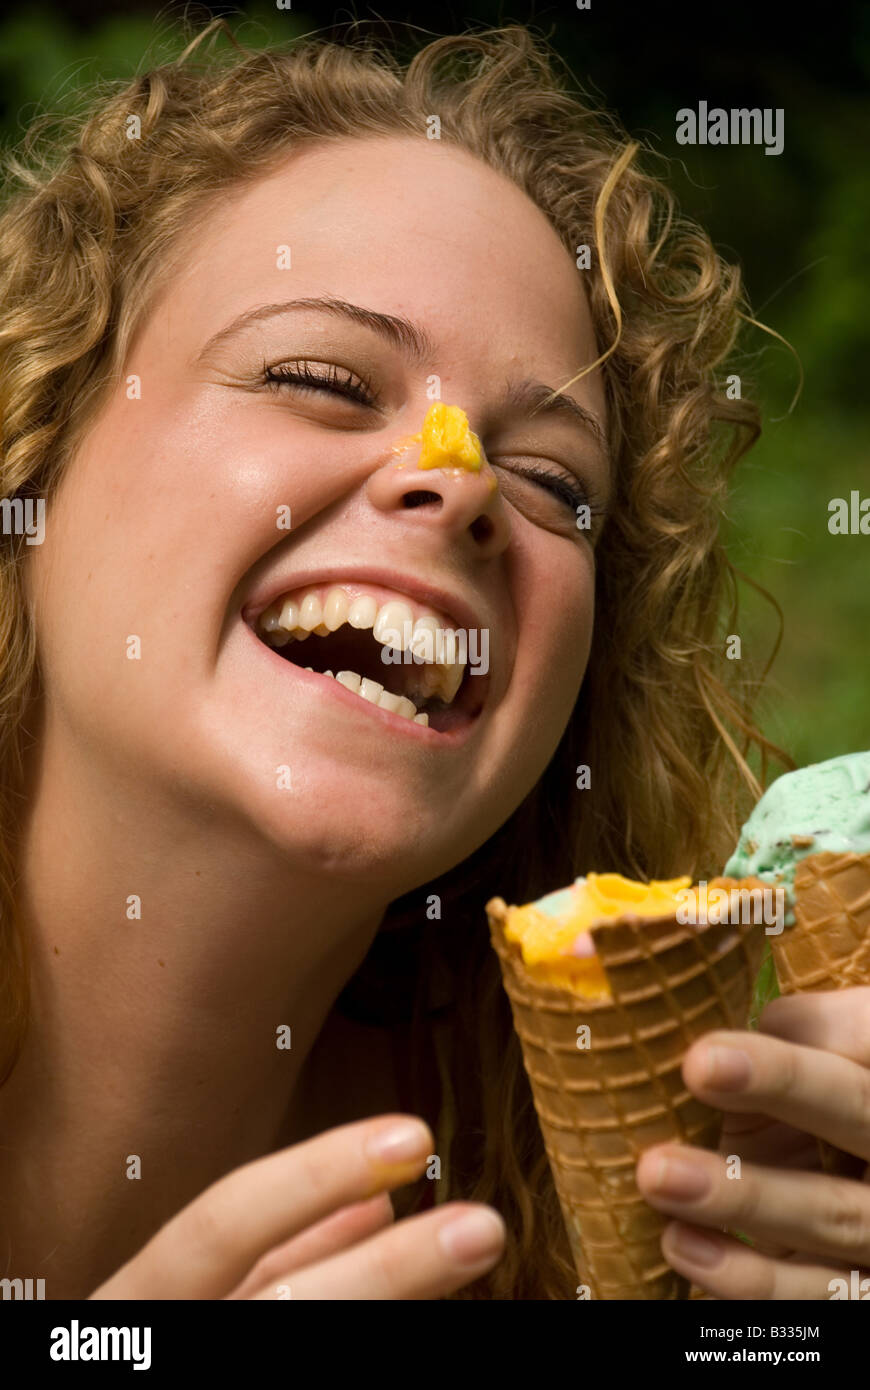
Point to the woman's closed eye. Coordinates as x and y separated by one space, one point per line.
551 499
321 376
569 491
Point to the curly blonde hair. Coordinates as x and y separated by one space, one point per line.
93 220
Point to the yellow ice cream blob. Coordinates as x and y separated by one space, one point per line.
447 442
550 930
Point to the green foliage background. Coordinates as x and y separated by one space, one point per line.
799 223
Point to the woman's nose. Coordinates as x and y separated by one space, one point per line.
444 476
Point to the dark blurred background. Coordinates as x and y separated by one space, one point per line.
798 223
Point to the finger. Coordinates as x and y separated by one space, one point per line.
336 1232
759 1139
424 1256
208 1248
808 1212
727 1268
819 1092
833 1021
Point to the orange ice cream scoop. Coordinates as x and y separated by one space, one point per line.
553 936
447 442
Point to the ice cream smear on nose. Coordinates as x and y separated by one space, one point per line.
557 947
447 441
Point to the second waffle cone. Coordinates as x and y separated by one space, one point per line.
829 945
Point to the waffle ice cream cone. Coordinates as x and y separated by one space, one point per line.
829 945
810 835
605 1095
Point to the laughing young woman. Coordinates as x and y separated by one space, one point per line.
243 941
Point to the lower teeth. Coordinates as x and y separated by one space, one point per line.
375 694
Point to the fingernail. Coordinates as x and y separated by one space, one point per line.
693 1248
680 1178
727 1068
472 1236
398 1142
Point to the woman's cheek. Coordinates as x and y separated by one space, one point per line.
562 644
554 663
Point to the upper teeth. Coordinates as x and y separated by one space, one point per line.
392 624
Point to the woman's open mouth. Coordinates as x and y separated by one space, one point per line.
382 647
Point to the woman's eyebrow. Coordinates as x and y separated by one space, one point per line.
534 398
401 333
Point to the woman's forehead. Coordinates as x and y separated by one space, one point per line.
432 233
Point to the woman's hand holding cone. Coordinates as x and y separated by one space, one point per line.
804 1075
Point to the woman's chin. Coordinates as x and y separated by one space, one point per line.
349 827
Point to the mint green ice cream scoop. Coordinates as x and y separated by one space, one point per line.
825 806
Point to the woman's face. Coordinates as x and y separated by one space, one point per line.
206 492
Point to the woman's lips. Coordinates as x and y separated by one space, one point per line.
396 655
447 727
